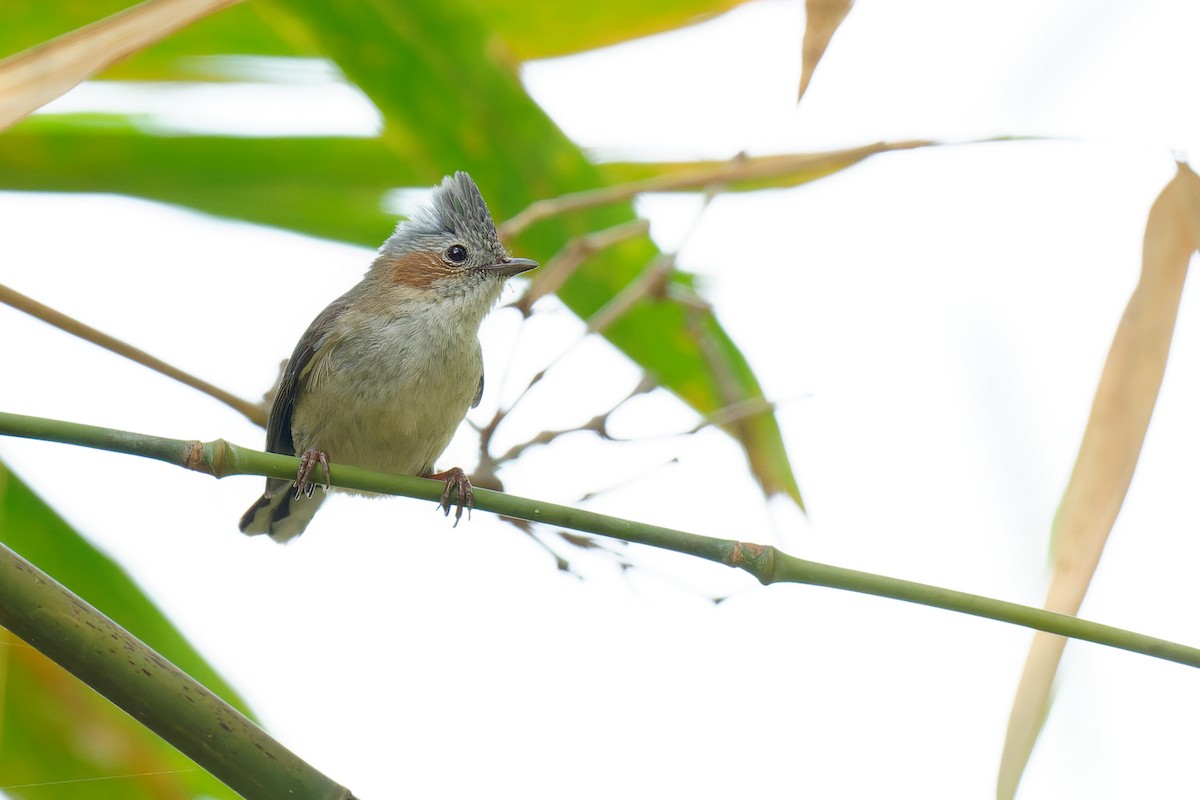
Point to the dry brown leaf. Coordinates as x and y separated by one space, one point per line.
821 21
30 79
1109 452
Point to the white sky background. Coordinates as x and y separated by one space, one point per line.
935 322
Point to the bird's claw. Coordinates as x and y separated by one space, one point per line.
308 462
458 483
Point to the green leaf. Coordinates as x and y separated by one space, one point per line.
235 31
56 729
529 29
338 194
534 29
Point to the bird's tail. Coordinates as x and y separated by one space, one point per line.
280 513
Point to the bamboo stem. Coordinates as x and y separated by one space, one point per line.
769 565
152 690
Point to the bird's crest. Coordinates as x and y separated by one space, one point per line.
456 209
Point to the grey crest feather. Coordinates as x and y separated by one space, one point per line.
456 211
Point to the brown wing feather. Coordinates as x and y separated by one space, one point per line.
279 423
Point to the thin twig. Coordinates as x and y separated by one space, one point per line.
735 412
655 279
597 425
628 481
727 383
550 278
252 411
650 283
738 169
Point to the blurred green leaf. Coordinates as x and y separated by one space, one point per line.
528 28
256 179
535 29
57 730
251 179
235 31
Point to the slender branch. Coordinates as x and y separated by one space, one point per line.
628 480
740 168
152 690
651 282
550 278
768 564
735 412
251 411
597 425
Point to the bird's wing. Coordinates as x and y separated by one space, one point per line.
279 424
479 393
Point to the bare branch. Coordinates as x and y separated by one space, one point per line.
632 479
739 168
652 282
252 411
562 266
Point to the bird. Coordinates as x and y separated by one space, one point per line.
383 376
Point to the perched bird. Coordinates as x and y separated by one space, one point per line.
383 376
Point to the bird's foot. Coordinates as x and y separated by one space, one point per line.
456 481
308 462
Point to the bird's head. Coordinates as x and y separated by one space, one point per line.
449 249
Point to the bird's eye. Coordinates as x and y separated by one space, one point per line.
456 253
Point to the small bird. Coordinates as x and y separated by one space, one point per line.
383 376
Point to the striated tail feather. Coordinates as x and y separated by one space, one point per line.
280 514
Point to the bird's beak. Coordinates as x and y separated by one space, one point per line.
511 266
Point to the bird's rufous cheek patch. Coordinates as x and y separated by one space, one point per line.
418 270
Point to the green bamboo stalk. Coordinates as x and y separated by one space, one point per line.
150 689
766 563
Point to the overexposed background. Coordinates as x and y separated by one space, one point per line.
932 322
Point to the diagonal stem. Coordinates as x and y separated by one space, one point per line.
152 690
739 168
251 411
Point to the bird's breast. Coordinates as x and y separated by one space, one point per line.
389 394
